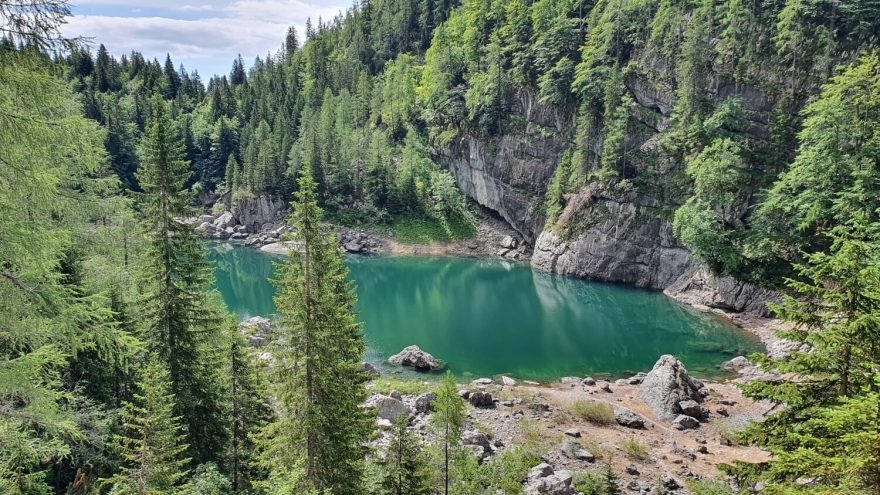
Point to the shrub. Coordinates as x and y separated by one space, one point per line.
634 450
595 412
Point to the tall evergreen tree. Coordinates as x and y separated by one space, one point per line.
406 468
317 443
249 410
152 444
182 326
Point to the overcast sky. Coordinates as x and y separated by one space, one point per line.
202 34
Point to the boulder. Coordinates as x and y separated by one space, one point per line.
353 246
508 242
590 381
507 381
425 402
257 330
369 369
693 409
389 408
544 480
571 380
736 364
627 418
206 218
573 449
684 422
481 382
668 384
224 221
481 399
414 357
474 437
205 227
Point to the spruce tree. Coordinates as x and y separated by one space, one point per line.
317 443
406 468
448 418
182 322
152 442
249 409
830 425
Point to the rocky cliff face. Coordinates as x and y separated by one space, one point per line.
256 213
615 236
510 174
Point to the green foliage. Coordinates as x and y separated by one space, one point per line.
634 450
152 443
406 467
830 425
448 419
316 442
182 325
592 411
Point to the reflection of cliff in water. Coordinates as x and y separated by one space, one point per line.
485 317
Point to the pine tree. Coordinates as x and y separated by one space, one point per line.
317 442
231 173
152 443
405 465
182 323
448 418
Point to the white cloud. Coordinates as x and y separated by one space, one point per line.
250 27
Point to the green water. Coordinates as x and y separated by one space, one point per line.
485 317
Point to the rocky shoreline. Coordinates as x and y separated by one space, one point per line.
658 428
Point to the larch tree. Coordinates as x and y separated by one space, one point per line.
448 418
317 442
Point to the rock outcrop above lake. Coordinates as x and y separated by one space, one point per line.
414 357
667 385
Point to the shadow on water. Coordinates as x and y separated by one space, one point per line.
485 317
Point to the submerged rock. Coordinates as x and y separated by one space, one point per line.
412 356
668 384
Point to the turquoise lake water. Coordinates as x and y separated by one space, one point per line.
486 317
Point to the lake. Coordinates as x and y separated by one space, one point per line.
485 317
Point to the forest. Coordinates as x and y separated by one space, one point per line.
122 372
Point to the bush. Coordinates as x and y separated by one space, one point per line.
634 450
588 482
595 412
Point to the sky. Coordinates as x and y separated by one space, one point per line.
205 35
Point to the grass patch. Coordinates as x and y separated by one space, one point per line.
411 229
595 412
634 450
408 387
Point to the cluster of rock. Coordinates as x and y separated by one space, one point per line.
544 480
226 225
361 241
673 395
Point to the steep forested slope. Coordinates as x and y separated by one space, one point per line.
627 140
